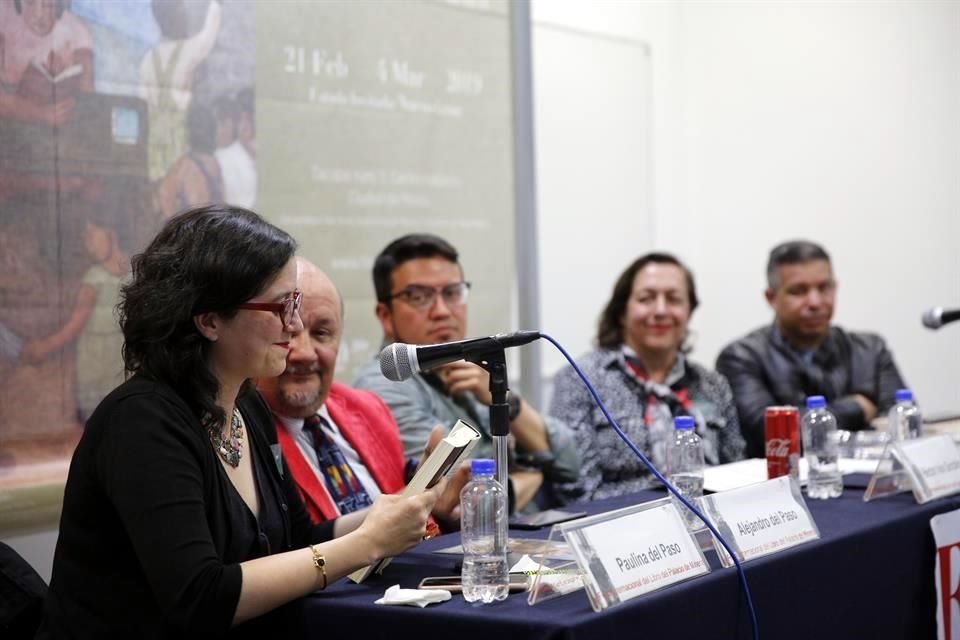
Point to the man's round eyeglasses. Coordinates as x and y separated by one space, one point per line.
422 297
287 307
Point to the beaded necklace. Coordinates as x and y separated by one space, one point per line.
230 449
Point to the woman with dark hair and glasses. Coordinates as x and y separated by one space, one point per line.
180 516
641 370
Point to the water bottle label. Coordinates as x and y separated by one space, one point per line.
764 518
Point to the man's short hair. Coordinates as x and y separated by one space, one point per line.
403 249
792 252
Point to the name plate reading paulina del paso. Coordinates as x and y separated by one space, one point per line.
629 552
760 519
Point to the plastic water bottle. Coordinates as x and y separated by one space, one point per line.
483 509
685 467
818 429
905 419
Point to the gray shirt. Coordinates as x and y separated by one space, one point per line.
645 411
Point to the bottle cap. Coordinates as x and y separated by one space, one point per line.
483 467
683 422
904 395
816 402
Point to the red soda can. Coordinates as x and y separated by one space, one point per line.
782 430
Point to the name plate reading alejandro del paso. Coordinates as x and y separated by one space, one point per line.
632 551
760 519
933 464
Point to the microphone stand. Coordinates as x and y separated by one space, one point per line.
495 363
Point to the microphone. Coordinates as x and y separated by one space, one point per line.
938 316
399 361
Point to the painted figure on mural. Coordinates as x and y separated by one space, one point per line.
91 324
238 159
194 179
46 70
45 51
167 76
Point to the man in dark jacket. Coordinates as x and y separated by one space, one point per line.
801 354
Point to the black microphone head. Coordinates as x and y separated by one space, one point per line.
933 318
397 363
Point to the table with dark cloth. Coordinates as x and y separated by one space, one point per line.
870 575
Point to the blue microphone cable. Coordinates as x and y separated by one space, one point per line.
659 476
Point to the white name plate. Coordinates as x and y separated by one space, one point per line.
760 519
627 553
933 464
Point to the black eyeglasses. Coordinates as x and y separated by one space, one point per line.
287 307
422 297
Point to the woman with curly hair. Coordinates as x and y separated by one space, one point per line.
179 517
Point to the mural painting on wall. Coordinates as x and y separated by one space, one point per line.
113 117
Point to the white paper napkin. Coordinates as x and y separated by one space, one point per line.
413 597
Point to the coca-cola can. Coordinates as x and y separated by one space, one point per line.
782 430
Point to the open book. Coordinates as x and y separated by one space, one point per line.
58 75
455 447
43 84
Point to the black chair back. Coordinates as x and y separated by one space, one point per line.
22 591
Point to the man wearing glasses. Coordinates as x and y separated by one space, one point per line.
421 299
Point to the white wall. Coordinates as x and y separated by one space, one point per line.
598 87
836 121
